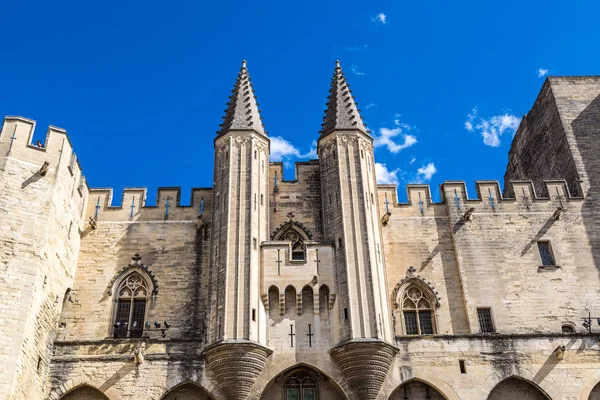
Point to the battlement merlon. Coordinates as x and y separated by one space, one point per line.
278 167
16 137
133 205
489 197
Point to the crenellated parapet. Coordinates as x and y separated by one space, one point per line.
489 199
133 205
44 159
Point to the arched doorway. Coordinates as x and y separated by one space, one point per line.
416 390
186 391
515 388
84 393
595 393
302 383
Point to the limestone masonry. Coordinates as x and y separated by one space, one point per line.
324 287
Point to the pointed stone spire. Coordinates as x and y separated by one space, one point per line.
342 112
242 110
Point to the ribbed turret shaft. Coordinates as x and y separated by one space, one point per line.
242 110
342 112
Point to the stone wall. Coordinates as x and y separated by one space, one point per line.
41 214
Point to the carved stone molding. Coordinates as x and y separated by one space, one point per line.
412 277
236 364
365 364
136 264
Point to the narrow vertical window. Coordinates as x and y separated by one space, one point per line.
461 364
546 253
345 314
486 325
254 243
255 154
254 314
262 199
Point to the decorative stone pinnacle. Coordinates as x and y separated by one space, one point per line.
342 112
242 111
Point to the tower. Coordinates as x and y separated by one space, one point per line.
240 224
352 222
42 198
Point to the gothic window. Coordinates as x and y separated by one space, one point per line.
132 297
417 312
301 386
298 249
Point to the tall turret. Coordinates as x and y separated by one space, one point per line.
352 220
240 224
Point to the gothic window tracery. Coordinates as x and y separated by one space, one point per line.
301 386
417 311
131 300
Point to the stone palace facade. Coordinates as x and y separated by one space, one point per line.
320 288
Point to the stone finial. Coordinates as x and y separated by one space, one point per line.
243 63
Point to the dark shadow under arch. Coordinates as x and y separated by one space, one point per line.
517 388
327 388
187 391
84 392
416 389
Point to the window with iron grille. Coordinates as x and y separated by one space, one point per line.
417 311
546 253
486 325
130 313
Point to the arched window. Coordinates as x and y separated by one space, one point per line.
301 386
131 300
417 311
298 248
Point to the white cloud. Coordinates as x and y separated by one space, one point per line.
542 72
384 175
282 150
492 128
356 71
426 172
412 160
370 105
355 48
381 18
386 136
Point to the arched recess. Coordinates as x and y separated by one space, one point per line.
307 300
415 302
432 379
84 392
302 382
591 387
273 298
544 386
517 388
415 389
187 391
290 300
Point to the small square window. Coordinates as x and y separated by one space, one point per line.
486 325
546 253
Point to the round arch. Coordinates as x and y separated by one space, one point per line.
590 383
493 380
180 389
284 371
421 375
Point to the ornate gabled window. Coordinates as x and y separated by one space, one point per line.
293 232
131 302
417 311
301 386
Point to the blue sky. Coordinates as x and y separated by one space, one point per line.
141 86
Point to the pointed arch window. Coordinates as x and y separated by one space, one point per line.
417 311
298 247
301 386
294 233
131 304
